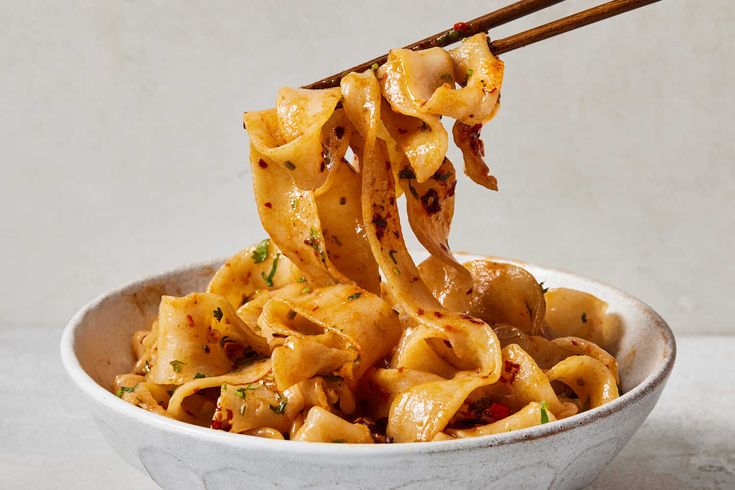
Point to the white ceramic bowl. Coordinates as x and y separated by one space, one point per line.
565 454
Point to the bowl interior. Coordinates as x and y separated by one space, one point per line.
103 334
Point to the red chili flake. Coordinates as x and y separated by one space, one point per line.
419 312
229 414
322 166
448 344
216 424
402 131
438 314
262 163
268 205
469 291
213 336
380 225
498 411
339 131
343 201
430 202
460 26
510 370
189 320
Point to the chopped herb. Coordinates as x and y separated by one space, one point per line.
301 279
424 127
224 387
333 378
241 393
306 290
124 389
374 66
392 254
339 441
218 314
469 72
450 37
199 376
260 252
543 289
406 173
584 317
397 271
446 77
289 165
313 242
443 177
176 365
414 193
281 407
544 414
353 296
268 278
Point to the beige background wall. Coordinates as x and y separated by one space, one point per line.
122 151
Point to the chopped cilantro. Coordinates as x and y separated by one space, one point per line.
544 414
199 376
218 314
260 252
124 389
289 165
374 66
469 72
443 177
281 407
176 365
306 290
397 271
353 297
240 392
301 279
268 278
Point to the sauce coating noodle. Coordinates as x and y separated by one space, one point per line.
328 331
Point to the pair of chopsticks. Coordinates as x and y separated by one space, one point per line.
497 18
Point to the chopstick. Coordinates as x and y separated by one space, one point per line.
497 18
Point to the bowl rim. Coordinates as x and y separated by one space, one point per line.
110 402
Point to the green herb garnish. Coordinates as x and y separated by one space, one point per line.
124 389
281 407
374 66
301 279
544 414
268 278
260 252
176 365
218 314
199 376
289 165
353 297
469 72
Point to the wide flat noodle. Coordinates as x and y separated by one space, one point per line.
528 416
291 218
572 313
587 377
408 80
481 75
200 334
322 426
290 136
467 138
338 204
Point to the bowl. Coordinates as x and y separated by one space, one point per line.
569 453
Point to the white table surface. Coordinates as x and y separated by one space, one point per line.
48 441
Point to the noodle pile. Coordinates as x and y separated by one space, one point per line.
300 337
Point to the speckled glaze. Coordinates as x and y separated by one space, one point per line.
565 454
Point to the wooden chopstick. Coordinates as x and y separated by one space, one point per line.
566 24
497 18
